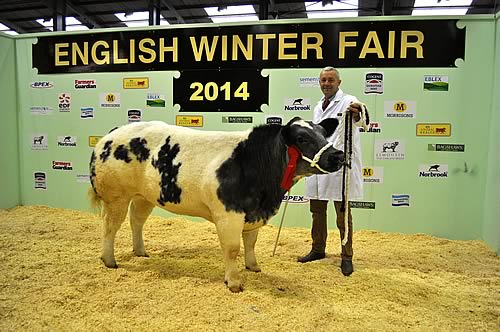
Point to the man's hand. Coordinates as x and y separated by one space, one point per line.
355 109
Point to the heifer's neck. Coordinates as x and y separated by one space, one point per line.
250 180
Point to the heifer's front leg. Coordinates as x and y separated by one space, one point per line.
229 231
249 239
140 209
114 215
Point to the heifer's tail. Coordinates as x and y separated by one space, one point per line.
95 201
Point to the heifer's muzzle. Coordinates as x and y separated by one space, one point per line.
314 162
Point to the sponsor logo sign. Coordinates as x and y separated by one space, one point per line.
189 120
433 171
40 142
66 141
40 110
373 174
40 180
274 119
433 129
401 200
297 104
64 102
446 147
136 83
154 99
110 99
374 83
362 205
83 178
435 83
93 140
237 119
400 109
62 165
389 149
296 199
134 115
309 82
86 113
85 84
373 127
42 85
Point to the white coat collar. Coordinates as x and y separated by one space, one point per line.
338 96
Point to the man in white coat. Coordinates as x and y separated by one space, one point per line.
322 188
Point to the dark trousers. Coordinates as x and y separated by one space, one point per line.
319 231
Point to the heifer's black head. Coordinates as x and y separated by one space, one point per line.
318 156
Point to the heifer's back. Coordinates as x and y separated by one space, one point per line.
170 166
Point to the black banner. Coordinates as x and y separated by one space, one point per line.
243 90
430 43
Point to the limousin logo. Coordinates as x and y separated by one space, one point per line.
154 99
66 141
297 104
401 200
40 180
62 165
85 84
433 171
387 149
39 142
109 100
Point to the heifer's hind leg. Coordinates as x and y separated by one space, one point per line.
249 239
140 209
114 215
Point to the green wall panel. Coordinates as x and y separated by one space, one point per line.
9 162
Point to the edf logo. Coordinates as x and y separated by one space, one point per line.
400 106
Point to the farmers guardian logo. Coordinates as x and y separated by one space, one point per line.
433 171
297 104
373 127
62 165
66 141
85 84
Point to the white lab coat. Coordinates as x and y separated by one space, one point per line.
329 186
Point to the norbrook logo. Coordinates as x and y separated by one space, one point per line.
295 199
433 171
69 141
297 104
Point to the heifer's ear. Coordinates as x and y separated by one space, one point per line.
330 125
289 123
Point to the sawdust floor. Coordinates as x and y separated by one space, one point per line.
51 278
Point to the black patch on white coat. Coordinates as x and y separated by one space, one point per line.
138 146
169 190
106 151
92 170
250 179
121 153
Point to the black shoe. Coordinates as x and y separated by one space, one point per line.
346 267
312 256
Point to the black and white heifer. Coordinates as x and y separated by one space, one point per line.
233 179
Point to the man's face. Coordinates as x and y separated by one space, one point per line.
329 83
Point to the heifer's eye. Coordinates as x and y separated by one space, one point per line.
301 140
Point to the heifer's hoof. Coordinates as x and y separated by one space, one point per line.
346 267
110 263
254 268
141 254
234 287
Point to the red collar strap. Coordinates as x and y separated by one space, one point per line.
293 155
